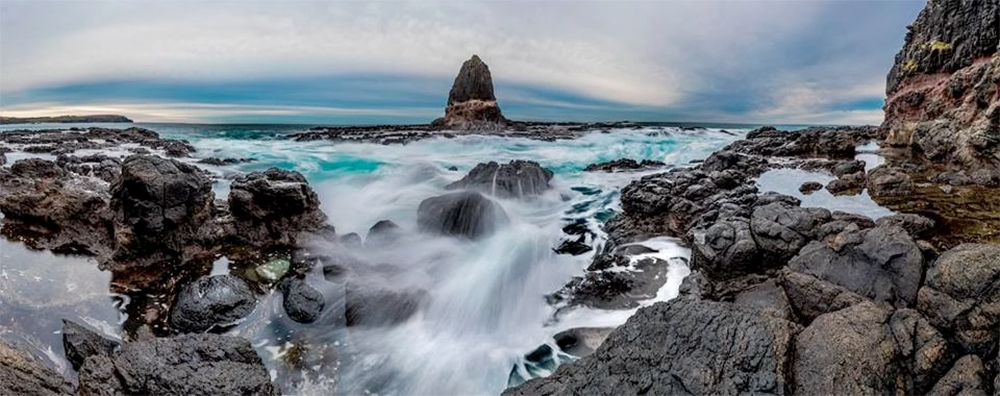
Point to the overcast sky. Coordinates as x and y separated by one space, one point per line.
789 62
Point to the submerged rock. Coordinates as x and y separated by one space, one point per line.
372 306
302 302
624 164
516 179
182 365
467 214
80 343
212 301
21 374
682 346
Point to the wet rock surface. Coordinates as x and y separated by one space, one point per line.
465 214
682 346
208 302
517 179
22 374
80 342
271 209
623 165
301 302
182 365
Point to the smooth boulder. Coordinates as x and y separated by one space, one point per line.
465 214
301 302
212 301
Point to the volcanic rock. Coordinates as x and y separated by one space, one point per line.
21 374
273 208
471 103
212 301
465 214
81 343
516 179
961 295
302 302
183 365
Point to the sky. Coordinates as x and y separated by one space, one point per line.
382 62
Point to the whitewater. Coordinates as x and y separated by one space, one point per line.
483 302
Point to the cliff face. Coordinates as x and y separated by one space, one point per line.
942 92
471 104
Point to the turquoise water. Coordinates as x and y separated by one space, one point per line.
485 307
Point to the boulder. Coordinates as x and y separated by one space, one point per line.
22 374
810 187
781 229
810 297
302 302
373 306
923 351
35 168
683 346
615 288
914 224
725 249
882 263
465 214
159 207
767 298
516 179
471 103
851 350
382 233
623 165
80 343
848 184
211 301
190 364
273 208
967 378
582 341
961 295
886 182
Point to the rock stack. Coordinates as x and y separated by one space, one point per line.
942 96
471 103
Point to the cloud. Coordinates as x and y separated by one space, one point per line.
719 59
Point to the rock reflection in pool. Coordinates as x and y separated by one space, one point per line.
38 289
787 181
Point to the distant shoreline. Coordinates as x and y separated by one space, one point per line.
68 119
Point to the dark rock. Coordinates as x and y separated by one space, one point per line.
888 182
915 225
849 184
624 164
372 306
682 346
351 240
726 249
582 341
159 206
781 229
35 168
516 179
851 350
848 167
302 303
224 161
767 298
882 263
810 187
471 103
924 353
382 233
573 248
184 365
614 289
273 208
212 301
80 343
811 297
967 377
21 374
467 214
961 295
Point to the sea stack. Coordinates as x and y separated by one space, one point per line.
941 94
471 103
